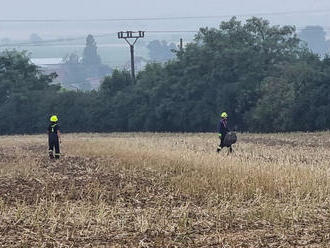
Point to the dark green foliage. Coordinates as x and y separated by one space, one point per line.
23 93
259 74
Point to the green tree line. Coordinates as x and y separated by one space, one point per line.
262 75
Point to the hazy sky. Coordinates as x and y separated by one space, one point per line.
36 9
96 9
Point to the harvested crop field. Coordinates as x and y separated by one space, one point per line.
166 190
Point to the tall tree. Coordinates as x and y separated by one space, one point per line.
84 74
161 51
24 94
35 38
315 37
260 74
90 56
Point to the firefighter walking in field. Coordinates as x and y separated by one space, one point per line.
222 131
54 138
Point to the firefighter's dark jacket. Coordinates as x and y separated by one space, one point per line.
53 129
222 127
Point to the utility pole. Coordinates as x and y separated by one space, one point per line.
131 35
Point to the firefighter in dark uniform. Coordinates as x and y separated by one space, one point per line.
54 138
222 131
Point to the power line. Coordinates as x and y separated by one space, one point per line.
39 43
54 42
172 31
58 41
163 18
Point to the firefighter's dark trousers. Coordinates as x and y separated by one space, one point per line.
222 139
54 143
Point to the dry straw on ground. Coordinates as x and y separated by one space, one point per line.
166 190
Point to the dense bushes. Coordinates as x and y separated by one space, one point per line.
260 74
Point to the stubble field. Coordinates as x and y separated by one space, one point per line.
166 190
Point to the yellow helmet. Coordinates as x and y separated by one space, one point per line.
53 118
224 115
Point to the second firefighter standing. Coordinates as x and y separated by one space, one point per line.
54 138
222 131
